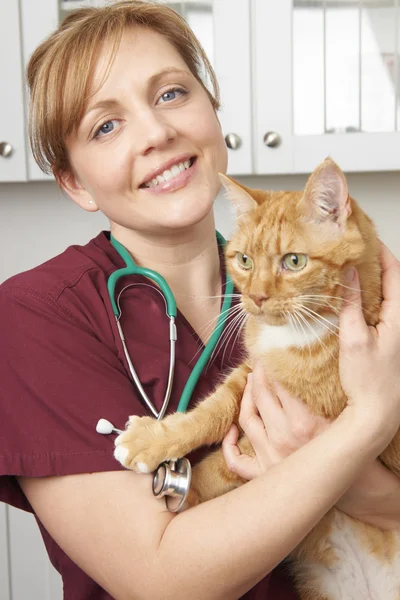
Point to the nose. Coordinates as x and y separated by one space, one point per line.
258 298
154 132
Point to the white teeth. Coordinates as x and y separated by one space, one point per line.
168 174
175 170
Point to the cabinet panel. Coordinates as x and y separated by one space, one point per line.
232 65
31 573
12 128
5 588
272 104
38 20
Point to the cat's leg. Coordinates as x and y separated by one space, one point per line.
211 477
147 442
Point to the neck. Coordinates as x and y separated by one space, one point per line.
188 259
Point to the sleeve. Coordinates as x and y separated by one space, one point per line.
58 379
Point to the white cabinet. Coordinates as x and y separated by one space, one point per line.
326 80
299 79
12 128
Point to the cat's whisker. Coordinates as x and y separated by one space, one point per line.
226 335
234 318
238 328
322 305
318 296
347 286
305 312
218 327
300 318
295 321
320 317
228 312
314 333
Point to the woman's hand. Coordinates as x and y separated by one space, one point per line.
374 497
369 356
275 423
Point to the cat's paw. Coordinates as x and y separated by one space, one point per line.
145 444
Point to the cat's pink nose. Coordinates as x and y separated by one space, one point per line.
258 298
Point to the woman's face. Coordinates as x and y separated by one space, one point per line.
149 146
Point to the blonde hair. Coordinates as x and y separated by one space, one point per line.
60 70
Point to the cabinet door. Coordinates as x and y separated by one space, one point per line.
31 575
232 49
38 20
12 125
327 76
225 36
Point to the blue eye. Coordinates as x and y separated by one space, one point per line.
106 128
171 94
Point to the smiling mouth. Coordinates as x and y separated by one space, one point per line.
169 174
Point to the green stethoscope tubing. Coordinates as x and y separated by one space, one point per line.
132 269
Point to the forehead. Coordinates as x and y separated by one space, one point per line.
275 228
141 53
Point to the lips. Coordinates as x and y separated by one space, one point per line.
166 166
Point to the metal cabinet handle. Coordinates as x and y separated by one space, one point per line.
272 139
233 141
5 149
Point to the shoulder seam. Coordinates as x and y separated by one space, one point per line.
62 310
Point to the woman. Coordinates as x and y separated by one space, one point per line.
117 101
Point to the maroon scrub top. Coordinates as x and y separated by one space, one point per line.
63 368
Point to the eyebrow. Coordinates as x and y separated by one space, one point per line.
154 79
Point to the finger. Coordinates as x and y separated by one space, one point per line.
390 274
248 409
243 465
252 424
265 401
290 404
351 319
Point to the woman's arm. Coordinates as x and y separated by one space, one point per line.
113 528
374 497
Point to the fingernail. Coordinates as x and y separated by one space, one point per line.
350 274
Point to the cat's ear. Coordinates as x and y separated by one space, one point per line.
241 200
326 196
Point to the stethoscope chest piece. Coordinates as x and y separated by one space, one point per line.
172 479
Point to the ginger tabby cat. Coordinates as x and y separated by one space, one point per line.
288 257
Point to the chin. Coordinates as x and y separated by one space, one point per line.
187 218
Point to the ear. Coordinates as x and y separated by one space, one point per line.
241 200
326 196
70 184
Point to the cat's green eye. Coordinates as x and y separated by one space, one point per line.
244 261
294 262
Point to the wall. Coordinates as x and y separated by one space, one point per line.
39 221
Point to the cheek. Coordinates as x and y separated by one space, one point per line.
100 175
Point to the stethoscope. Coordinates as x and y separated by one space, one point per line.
172 478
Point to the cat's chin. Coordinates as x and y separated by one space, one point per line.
271 319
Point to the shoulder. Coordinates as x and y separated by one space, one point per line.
65 283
